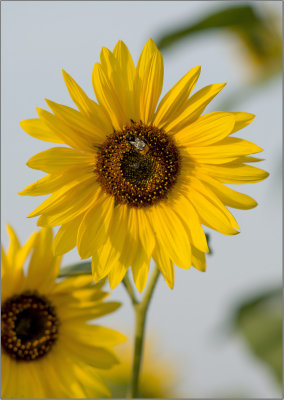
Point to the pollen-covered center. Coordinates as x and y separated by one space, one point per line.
138 165
29 326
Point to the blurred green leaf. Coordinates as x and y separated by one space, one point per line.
208 243
240 16
256 29
259 320
83 268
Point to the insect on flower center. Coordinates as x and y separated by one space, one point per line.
29 326
138 165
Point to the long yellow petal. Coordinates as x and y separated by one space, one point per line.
103 260
127 73
96 356
198 259
66 237
58 158
140 269
197 185
116 275
242 120
171 234
189 216
194 107
83 127
206 130
87 106
224 151
93 229
235 173
65 197
228 196
36 128
165 265
93 335
148 81
68 135
173 102
108 98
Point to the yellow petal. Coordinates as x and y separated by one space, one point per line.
227 195
189 216
140 269
198 259
66 237
91 133
242 120
171 234
14 245
42 260
206 130
95 356
236 173
127 73
194 107
93 335
91 382
88 107
35 127
68 135
197 185
103 260
68 198
108 97
116 275
148 82
173 102
225 151
165 265
93 229
86 313
57 159
209 214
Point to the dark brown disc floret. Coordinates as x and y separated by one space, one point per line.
29 326
138 165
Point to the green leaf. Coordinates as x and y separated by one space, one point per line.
259 320
208 243
83 268
231 17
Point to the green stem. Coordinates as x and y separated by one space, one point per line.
141 309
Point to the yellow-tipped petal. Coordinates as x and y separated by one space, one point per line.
66 237
36 128
173 102
242 120
148 81
87 106
206 130
194 107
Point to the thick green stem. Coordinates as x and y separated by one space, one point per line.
140 316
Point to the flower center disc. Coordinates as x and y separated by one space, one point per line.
29 326
138 165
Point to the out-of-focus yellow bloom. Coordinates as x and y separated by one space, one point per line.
49 349
159 375
140 178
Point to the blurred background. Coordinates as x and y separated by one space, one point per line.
217 334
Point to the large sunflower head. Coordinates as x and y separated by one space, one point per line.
139 178
49 350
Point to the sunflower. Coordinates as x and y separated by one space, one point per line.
48 348
138 180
